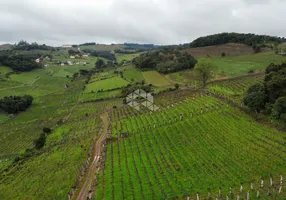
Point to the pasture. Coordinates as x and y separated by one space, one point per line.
155 78
126 57
239 65
106 84
133 75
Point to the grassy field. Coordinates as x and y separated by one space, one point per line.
212 146
99 95
133 75
106 84
153 77
239 65
126 57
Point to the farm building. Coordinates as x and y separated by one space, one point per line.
38 60
69 62
72 57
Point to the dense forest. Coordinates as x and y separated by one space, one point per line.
19 62
15 104
248 39
165 61
271 95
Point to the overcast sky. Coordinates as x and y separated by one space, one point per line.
57 22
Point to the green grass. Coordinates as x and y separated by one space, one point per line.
155 78
133 75
100 95
126 57
3 117
107 84
4 70
217 147
238 65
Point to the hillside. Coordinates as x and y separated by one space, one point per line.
230 49
248 39
92 133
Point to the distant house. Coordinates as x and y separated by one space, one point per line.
77 63
85 56
38 60
69 62
72 57
62 64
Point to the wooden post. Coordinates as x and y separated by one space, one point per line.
248 195
257 195
261 183
226 198
280 189
281 179
271 181
230 190
237 198
198 196
241 188
251 186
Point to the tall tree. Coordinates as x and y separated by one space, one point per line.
204 71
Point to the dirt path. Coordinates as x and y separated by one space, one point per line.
89 178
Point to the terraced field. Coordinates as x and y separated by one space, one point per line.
197 145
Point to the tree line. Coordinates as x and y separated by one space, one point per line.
248 39
165 61
269 96
15 104
19 62
25 46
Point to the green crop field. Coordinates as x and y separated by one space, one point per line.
198 145
238 65
153 77
233 89
106 84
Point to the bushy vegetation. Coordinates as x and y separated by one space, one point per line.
104 54
248 39
165 61
25 46
15 104
271 94
19 62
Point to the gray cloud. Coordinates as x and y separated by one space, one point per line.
145 21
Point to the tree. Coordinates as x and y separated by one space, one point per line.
255 97
279 109
40 142
255 101
204 71
177 86
47 130
99 63
223 54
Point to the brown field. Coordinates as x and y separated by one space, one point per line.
230 49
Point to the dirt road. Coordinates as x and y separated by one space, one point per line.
89 178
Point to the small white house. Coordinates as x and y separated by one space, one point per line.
69 62
85 56
38 60
72 57
62 64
